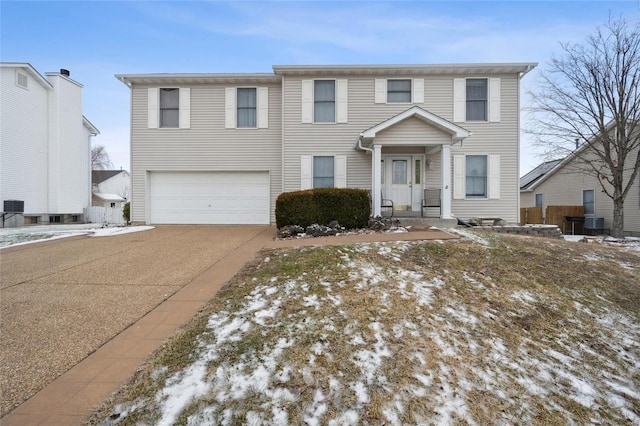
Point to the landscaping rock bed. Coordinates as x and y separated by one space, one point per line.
548 231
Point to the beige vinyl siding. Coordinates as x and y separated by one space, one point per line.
501 139
565 187
412 131
339 139
206 145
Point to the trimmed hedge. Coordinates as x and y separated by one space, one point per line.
126 212
350 207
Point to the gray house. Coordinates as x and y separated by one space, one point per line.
568 181
220 148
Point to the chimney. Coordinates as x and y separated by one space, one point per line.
64 72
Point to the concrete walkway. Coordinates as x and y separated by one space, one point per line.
70 398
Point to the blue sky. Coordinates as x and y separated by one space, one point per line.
97 39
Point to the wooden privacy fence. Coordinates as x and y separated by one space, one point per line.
555 215
110 215
531 215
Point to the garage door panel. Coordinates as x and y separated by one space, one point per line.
209 197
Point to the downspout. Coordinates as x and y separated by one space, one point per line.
360 147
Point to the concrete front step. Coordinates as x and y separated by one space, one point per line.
427 221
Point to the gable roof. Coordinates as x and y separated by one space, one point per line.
28 68
534 175
457 133
563 161
99 176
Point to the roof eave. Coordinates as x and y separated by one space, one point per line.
93 129
31 70
492 68
195 78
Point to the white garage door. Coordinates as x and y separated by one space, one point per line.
213 198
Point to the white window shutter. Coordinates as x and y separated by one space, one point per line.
418 90
307 101
342 106
185 107
152 107
306 166
494 99
494 177
340 171
459 100
230 108
263 107
458 177
381 91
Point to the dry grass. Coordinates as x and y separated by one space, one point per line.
521 330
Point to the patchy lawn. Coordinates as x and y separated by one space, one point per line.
485 330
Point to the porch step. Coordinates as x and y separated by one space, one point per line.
427 222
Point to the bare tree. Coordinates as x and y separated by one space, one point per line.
588 106
100 158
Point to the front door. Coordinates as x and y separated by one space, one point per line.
403 181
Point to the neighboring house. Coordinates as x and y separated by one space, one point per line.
564 182
110 188
220 148
44 147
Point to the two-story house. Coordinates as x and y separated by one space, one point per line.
45 145
220 148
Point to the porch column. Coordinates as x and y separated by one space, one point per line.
446 181
376 176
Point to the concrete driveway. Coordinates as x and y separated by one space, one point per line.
62 300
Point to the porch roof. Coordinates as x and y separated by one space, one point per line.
457 133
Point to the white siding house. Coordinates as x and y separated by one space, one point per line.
110 188
220 148
44 146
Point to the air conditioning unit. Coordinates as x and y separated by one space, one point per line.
594 222
13 206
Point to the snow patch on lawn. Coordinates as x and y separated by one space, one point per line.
449 348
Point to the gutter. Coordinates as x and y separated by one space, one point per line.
360 147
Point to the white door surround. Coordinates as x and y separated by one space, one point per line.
403 178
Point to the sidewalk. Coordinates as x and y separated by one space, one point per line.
73 396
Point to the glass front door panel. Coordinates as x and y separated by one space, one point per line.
399 174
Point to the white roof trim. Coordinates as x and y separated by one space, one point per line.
457 133
29 69
108 197
94 131
195 78
437 69
567 159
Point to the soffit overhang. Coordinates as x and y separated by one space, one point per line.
404 70
155 79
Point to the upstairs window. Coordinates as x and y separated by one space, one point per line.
247 108
476 99
476 176
323 172
169 108
324 101
399 91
